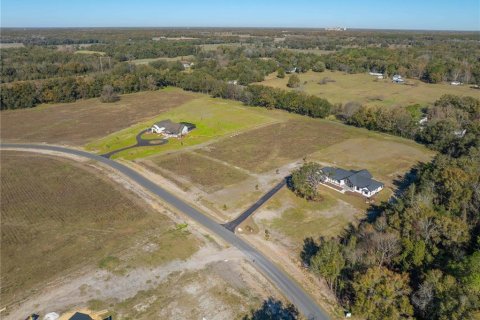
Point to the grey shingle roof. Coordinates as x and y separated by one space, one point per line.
359 179
80 316
170 127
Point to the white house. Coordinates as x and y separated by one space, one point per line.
455 83
169 129
376 74
354 181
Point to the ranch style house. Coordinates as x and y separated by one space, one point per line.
354 181
170 129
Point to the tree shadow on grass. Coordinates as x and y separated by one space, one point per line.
273 309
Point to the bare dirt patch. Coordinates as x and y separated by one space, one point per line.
85 120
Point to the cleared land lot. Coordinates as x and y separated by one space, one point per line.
214 118
365 89
209 174
85 120
272 146
59 216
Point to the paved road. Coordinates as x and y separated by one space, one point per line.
232 225
140 143
281 280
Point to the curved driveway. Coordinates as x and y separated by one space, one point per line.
281 280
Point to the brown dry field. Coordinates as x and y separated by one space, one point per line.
208 174
85 120
272 146
59 216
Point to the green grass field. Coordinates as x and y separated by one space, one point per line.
214 118
366 90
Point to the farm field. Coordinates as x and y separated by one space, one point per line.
59 216
85 120
366 90
214 118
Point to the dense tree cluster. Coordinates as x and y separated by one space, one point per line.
305 180
41 63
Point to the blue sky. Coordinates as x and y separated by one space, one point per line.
379 14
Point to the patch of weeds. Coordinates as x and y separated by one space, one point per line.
109 263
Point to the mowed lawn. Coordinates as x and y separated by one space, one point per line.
59 216
366 90
213 118
85 120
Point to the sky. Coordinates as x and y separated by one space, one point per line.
375 14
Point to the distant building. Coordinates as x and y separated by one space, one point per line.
423 121
235 82
187 65
354 181
376 74
291 70
397 79
170 129
455 83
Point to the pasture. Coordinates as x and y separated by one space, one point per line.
85 120
214 118
367 90
59 216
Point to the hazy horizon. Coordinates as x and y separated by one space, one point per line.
463 15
